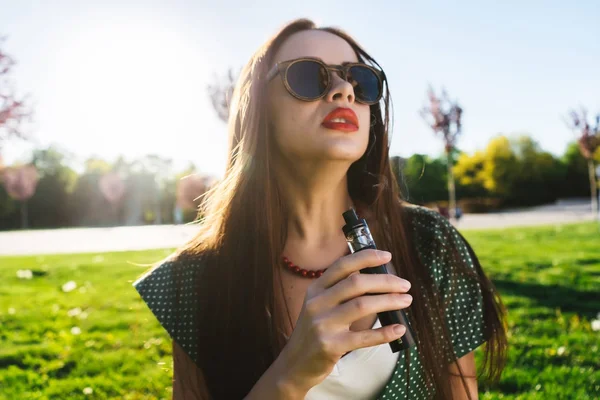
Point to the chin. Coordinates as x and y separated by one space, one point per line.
345 151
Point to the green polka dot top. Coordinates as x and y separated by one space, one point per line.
439 247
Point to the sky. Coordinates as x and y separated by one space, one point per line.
107 78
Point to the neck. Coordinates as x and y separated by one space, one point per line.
316 199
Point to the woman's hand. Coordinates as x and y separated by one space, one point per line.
332 303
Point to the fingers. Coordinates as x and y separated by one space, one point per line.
372 337
363 306
345 266
359 284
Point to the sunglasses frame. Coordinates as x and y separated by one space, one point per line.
282 68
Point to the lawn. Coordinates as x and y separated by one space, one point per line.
98 340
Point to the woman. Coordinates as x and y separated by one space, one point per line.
266 303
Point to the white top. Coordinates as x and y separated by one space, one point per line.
360 374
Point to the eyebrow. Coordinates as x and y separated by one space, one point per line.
343 62
324 62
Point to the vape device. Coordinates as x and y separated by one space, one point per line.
359 238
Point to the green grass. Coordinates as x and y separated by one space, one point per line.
549 278
121 351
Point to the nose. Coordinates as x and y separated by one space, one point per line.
340 89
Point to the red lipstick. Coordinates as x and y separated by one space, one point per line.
341 119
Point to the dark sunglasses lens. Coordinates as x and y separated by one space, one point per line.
307 78
367 87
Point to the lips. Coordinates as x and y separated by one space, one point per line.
341 119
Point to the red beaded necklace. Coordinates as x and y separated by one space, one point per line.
301 271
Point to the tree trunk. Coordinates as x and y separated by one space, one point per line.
24 218
158 208
451 187
593 188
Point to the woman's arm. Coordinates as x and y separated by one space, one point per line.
467 365
188 379
189 382
273 384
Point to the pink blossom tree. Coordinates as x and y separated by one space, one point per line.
13 110
112 188
189 189
588 141
20 183
220 93
444 118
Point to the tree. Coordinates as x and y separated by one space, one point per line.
160 169
88 205
20 183
576 183
444 117
13 110
220 93
589 142
494 169
49 206
515 171
112 188
421 178
189 190
468 170
541 175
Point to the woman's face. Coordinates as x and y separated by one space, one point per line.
299 133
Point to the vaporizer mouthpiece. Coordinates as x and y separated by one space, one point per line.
350 217
352 221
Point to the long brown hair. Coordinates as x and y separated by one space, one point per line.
243 233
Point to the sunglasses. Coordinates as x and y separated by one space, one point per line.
310 79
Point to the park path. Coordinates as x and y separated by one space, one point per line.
92 240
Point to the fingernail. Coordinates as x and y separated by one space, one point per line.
398 329
384 254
